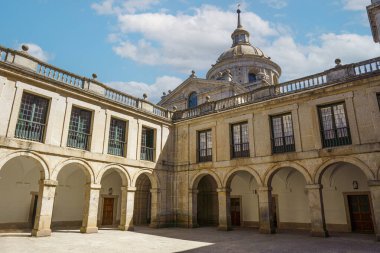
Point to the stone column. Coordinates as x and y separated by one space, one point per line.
44 210
90 214
155 221
374 186
193 208
127 207
224 209
317 214
265 210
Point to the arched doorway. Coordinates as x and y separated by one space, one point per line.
290 204
346 199
110 201
70 199
244 206
207 202
143 201
19 192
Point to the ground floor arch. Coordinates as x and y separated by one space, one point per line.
207 202
142 214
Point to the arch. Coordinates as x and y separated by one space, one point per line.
192 100
272 171
195 180
87 168
228 178
33 155
152 177
125 178
358 163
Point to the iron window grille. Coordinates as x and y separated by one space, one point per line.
240 142
31 121
116 142
282 134
334 125
79 129
204 146
147 144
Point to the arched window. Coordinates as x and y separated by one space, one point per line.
193 100
252 78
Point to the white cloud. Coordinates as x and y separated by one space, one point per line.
276 4
36 51
154 91
356 5
107 7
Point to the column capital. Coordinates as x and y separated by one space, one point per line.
193 191
313 186
223 189
128 188
264 189
95 186
373 183
49 182
155 190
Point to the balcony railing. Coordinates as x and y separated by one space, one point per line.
240 150
78 140
204 155
147 154
283 144
28 130
336 137
116 147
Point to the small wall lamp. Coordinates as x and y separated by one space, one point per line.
355 185
110 191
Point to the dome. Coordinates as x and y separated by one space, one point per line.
241 50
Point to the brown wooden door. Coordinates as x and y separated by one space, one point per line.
107 211
235 211
360 213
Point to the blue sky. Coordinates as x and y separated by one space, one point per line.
152 45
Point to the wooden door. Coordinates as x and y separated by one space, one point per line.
360 213
274 211
108 211
235 211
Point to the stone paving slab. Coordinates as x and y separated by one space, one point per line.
148 240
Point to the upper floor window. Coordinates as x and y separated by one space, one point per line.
252 78
116 142
204 146
31 123
240 142
147 144
193 100
79 129
282 133
334 126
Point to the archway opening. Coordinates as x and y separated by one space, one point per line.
69 203
290 205
143 201
244 207
19 192
207 202
109 210
346 199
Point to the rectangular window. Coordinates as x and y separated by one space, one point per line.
204 146
116 142
282 134
147 144
240 142
31 123
79 129
334 126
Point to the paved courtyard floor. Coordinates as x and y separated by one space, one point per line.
207 239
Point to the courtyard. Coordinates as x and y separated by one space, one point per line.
206 239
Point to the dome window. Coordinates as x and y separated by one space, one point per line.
193 100
252 78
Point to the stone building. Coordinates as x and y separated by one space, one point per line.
304 154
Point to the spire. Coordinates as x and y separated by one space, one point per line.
238 12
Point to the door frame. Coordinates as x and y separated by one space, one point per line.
30 216
347 208
241 209
101 206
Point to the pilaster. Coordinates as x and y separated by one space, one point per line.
317 215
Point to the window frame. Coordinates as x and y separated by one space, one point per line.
27 122
208 151
192 95
336 141
117 142
244 147
77 132
147 153
284 148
